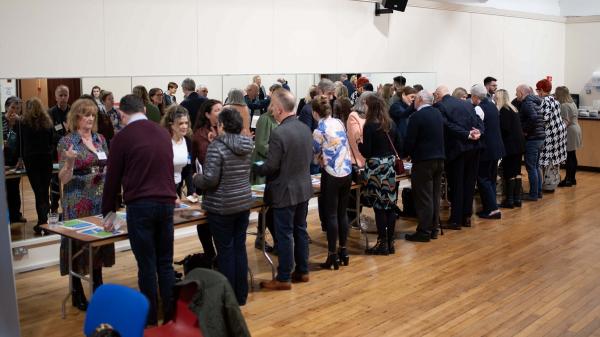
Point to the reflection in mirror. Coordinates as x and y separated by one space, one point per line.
218 86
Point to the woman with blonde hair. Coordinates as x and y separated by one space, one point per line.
36 134
568 112
82 156
340 90
387 92
514 146
460 93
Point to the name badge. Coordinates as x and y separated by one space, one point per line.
101 155
58 127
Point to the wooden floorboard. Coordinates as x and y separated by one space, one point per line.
533 273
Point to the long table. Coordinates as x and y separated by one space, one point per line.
184 217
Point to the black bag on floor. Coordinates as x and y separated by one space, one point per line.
194 261
408 203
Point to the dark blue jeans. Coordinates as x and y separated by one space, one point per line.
292 240
486 180
532 164
229 233
150 227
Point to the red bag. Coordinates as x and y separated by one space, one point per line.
398 163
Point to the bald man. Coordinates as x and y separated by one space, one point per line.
256 105
532 122
58 113
462 130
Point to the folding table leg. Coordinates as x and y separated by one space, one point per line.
70 258
263 225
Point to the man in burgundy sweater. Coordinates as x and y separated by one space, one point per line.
141 160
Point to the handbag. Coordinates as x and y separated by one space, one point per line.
398 163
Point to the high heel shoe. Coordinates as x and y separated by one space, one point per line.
343 256
332 261
380 248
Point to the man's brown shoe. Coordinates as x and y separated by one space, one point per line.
276 285
298 277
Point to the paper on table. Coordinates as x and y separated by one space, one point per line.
98 232
76 224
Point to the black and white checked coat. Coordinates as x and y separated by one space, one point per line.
554 151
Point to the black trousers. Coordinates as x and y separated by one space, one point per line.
335 192
571 166
13 199
462 175
426 179
511 166
39 172
54 191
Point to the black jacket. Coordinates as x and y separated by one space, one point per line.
425 135
376 143
288 164
492 139
512 133
192 103
226 176
399 112
532 118
459 118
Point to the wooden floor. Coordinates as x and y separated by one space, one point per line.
533 273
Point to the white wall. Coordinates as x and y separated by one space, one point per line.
546 7
582 58
579 7
209 37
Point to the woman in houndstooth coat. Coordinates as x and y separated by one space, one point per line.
554 151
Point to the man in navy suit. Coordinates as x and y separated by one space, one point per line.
492 152
192 100
462 129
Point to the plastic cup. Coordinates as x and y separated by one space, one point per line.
52 220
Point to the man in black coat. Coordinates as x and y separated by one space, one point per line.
288 190
424 144
192 100
462 129
492 152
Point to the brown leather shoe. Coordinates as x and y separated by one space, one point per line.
276 285
298 278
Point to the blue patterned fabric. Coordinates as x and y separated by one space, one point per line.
331 142
381 183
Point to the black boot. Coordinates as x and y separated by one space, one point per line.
78 299
391 236
343 256
518 190
332 261
380 248
509 194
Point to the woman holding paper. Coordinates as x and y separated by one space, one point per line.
82 160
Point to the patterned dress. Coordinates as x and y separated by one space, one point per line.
380 190
82 197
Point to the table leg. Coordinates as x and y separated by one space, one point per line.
70 262
91 269
263 225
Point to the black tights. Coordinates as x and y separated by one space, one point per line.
571 166
386 223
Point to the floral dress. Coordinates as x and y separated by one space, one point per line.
82 197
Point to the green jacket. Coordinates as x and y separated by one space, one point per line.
152 112
265 124
215 304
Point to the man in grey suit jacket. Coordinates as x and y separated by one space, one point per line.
288 190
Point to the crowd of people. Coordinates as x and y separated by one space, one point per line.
151 152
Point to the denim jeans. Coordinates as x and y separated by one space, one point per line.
292 240
150 227
532 164
486 180
229 233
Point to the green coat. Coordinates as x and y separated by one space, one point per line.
265 124
152 112
214 303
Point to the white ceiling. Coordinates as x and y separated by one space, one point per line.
547 7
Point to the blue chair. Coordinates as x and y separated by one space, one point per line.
125 309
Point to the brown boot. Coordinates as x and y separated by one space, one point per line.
276 285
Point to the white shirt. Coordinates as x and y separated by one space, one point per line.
180 158
479 112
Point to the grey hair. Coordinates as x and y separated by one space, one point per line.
479 91
202 86
286 99
326 85
360 106
426 96
188 84
525 89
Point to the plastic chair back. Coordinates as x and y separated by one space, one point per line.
125 309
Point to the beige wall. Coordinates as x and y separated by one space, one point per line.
582 58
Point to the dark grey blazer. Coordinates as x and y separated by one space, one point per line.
288 164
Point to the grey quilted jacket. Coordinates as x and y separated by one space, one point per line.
225 180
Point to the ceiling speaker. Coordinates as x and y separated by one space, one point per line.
397 5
